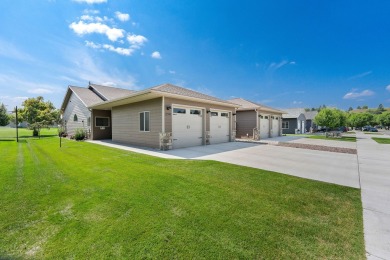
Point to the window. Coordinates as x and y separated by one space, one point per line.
285 125
102 121
266 117
144 121
75 118
261 117
195 112
88 121
214 113
225 114
179 110
277 118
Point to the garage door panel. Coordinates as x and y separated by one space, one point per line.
219 127
264 127
275 127
187 127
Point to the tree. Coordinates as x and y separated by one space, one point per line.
358 107
384 119
365 107
350 109
360 119
330 118
381 108
4 117
38 114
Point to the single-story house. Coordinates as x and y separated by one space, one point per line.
75 110
310 125
257 121
309 115
293 123
164 117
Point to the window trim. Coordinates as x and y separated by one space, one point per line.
143 112
288 125
102 117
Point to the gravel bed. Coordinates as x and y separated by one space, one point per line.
319 147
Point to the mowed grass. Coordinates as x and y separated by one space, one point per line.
9 134
87 201
343 138
381 140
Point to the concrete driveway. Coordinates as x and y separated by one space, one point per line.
338 168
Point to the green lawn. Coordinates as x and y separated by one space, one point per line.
381 140
373 133
88 201
8 133
343 138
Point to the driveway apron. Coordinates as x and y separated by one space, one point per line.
374 168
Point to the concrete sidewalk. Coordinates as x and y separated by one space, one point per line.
374 168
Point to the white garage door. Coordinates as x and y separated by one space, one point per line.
275 126
187 127
219 127
264 127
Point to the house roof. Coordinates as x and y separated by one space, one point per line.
249 105
296 112
310 115
109 93
86 95
164 90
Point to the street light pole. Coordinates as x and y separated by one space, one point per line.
16 123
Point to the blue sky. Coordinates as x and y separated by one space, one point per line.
280 53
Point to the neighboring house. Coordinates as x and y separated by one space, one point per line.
23 124
164 117
309 115
75 108
310 125
257 121
293 123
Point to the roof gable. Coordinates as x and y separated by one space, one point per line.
249 105
109 93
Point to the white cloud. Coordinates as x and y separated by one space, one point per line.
86 17
122 17
92 45
277 65
82 28
121 51
40 91
91 11
297 102
361 75
91 1
388 88
172 72
156 55
354 94
11 102
136 40
7 49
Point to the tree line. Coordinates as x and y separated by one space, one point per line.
333 118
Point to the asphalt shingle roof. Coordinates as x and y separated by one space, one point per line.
111 92
246 104
86 95
172 89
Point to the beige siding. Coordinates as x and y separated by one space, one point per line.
246 121
126 123
97 132
207 106
75 106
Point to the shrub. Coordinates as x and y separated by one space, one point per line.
79 134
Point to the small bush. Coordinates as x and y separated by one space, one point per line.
61 131
79 134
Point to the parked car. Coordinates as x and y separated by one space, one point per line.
372 129
378 127
366 128
343 129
